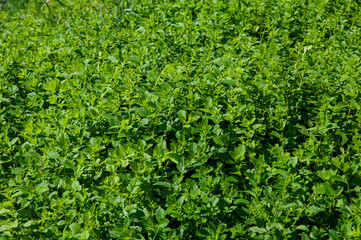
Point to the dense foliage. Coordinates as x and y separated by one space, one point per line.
180 119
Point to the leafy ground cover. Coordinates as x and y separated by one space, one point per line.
180 119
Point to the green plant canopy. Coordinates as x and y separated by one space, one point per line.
180 119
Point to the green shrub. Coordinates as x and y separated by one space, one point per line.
180 119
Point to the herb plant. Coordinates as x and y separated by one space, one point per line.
180 119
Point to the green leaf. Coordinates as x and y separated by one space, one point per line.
239 152
218 140
163 184
319 189
182 116
305 236
302 227
229 81
51 85
328 189
312 210
4 211
85 234
30 223
338 178
69 164
63 140
42 187
214 200
113 59
175 158
76 186
241 201
75 228
333 235
160 215
8 226
162 148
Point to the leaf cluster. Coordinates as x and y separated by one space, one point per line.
180 119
